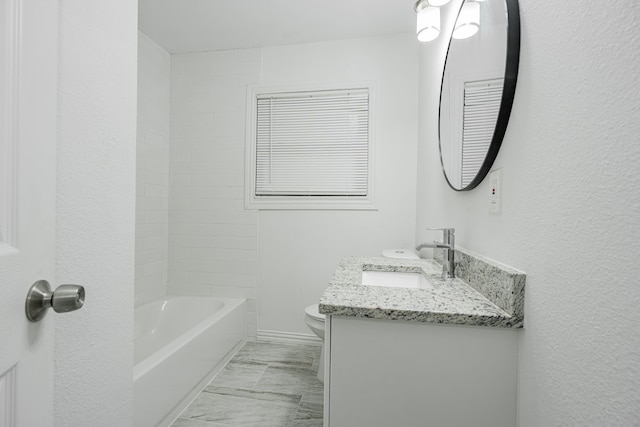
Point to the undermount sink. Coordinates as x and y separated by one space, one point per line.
395 279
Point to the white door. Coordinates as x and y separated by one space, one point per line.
28 103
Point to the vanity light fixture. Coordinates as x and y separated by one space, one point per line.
437 3
468 21
428 22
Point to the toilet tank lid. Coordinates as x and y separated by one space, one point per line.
314 311
400 253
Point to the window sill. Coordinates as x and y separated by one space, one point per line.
315 203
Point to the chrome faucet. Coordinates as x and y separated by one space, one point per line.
449 244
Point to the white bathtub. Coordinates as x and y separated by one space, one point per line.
179 344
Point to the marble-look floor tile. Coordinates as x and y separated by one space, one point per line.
264 385
309 414
289 379
240 375
316 358
235 407
274 353
185 422
283 398
308 423
314 395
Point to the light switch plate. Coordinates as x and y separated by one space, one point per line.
495 191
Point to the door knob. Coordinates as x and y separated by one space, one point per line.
64 299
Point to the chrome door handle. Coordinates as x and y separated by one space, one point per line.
64 299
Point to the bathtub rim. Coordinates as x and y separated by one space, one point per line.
151 361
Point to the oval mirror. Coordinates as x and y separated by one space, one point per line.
478 85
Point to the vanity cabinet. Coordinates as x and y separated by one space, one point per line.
381 373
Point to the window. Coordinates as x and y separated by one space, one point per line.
309 149
480 114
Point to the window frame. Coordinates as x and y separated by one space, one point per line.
296 202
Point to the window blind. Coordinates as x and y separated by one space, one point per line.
480 113
312 143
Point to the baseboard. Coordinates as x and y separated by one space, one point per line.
288 337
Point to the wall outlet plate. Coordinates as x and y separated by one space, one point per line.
495 191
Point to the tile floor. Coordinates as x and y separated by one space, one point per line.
264 385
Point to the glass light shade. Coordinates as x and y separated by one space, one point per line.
468 21
428 27
437 3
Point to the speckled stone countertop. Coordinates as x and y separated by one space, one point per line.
449 301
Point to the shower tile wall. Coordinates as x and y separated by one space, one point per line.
152 177
212 238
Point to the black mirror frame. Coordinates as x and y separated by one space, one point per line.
506 102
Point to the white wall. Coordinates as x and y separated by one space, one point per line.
570 209
152 170
212 239
216 246
95 211
299 250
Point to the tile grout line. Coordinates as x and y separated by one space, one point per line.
295 417
273 364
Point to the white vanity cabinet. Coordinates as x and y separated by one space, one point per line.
382 373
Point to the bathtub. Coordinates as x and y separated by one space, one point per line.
180 343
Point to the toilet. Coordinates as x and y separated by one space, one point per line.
315 320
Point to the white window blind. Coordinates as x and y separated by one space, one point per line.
312 144
481 107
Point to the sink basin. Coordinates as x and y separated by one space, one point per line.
395 279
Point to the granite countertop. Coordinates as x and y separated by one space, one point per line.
449 301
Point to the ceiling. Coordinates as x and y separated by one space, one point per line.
206 25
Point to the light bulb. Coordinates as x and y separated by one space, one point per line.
428 24
468 21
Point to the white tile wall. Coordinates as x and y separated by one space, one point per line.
152 195
212 238
299 250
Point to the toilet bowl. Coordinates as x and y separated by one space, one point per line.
315 322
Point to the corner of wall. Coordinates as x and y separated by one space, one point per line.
152 167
